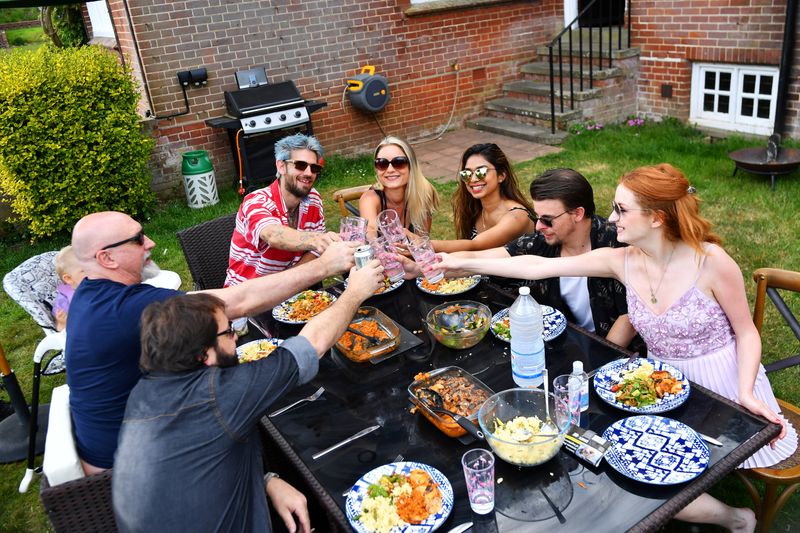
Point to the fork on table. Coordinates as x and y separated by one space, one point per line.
298 402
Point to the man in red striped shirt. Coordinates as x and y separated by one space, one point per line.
283 224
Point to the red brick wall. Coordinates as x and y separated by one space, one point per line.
319 44
672 34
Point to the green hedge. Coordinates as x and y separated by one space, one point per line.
71 142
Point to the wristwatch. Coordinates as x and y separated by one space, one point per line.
268 476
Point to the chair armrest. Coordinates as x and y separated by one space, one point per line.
61 462
778 278
52 342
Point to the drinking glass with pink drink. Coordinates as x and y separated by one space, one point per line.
387 255
422 251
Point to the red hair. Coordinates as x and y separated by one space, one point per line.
665 190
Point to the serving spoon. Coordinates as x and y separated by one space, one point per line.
434 401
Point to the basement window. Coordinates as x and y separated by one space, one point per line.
734 97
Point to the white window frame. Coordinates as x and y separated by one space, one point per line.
101 20
733 120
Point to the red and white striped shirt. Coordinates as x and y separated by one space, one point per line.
250 257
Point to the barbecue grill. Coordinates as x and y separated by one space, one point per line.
257 117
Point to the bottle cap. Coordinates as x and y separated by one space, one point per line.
577 367
524 290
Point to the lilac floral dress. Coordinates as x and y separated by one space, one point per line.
694 335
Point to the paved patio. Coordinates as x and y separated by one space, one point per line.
440 159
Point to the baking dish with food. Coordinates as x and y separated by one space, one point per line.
461 392
373 323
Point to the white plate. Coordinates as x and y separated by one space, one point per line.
610 374
472 282
387 287
656 450
554 323
261 342
359 492
281 312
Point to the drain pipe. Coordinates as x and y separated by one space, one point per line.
149 112
786 66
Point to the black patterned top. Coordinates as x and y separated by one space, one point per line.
606 295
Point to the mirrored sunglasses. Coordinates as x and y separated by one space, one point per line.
479 173
399 163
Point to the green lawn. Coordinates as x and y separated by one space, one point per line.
758 226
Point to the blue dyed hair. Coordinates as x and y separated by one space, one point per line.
298 141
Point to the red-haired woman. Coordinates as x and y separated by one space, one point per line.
687 300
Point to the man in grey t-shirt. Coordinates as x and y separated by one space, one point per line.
189 454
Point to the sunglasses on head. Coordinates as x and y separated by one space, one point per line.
479 173
399 163
138 239
230 331
546 220
303 165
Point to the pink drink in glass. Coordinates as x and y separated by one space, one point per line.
385 253
423 253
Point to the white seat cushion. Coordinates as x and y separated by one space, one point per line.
61 462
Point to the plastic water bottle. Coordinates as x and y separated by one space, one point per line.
527 345
577 371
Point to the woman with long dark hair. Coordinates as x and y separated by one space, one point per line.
488 208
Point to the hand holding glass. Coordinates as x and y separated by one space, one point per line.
385 253
390 226
568 388
353 229
422 251
479 474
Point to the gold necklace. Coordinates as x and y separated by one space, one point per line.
653 298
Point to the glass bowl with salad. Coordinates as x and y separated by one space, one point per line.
460 324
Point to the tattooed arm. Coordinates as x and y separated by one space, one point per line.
285 238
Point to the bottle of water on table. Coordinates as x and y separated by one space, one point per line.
527 345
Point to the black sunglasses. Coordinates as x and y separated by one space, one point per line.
546 220
138 239
399 163
302 166
230 331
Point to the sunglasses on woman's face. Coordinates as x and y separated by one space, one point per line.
399 163
303 165
479 173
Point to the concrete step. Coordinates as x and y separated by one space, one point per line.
517 129
542 68
623 53
526 109
540 91
615 34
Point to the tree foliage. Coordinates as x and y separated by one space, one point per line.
71 142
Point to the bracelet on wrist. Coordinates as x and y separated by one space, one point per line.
268 476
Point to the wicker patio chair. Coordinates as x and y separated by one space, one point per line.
787 472
206 247
83 505
344 196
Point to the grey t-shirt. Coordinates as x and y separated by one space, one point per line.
189 455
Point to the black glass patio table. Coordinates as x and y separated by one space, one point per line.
359 395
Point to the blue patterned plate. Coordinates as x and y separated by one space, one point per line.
281 311
610 374
254 350
656 450
449 286
554 324
359 492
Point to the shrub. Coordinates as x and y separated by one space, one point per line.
581 127
70 138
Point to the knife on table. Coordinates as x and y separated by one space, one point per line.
345 441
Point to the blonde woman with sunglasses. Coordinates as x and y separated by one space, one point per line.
488 208
401 186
